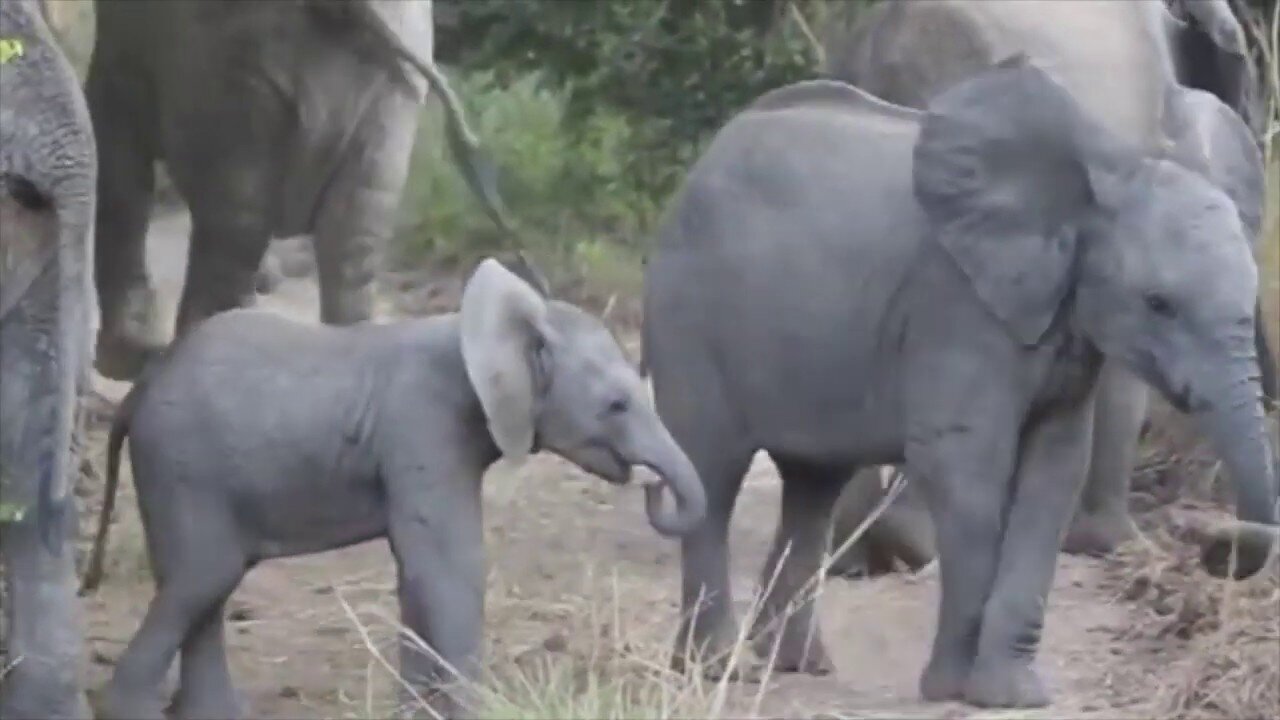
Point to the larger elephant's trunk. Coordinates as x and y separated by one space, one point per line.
1235 426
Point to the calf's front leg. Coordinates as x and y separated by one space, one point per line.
438 542
964 467
1051 472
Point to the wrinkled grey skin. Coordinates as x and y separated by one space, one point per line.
274 119
47 175
938 289
258 437
1136 68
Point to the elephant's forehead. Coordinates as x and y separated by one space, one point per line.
1193 213
583 330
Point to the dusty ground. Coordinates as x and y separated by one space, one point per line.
574 569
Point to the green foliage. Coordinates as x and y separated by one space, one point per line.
11 513
674 71
567 193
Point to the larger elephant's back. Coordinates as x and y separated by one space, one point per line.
790 237
1112 56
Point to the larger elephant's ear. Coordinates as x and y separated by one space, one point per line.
504 324
1001 171
1209 137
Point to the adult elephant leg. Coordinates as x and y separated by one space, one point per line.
232 185
42 612
227 157
205 689
786 629
122 111
1050 472
1102 521
703 426
359 208
226 249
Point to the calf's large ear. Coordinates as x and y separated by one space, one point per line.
1008 169
503 328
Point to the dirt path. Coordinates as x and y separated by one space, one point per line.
573 561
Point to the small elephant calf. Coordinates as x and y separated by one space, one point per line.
258 437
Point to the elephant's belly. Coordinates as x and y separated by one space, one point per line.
822 428
821 403
312 514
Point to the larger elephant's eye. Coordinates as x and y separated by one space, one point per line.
618 406
1159 304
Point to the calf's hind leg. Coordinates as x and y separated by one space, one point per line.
197 566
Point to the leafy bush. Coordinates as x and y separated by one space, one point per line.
566 192
675 71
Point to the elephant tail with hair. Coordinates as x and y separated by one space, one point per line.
115 441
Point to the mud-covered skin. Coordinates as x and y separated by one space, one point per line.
1119 59
273 119
47 178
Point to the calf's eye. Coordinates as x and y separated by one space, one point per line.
618 406
1159 304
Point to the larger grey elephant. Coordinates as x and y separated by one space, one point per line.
274 119
1118 58
47 177
844 282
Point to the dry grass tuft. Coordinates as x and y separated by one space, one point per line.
599 662
1218 639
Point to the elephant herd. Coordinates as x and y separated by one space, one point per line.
966 253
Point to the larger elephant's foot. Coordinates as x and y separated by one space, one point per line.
116 703
717 656
130 337
204 704
1005 683
1099 533
944 678
796 648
